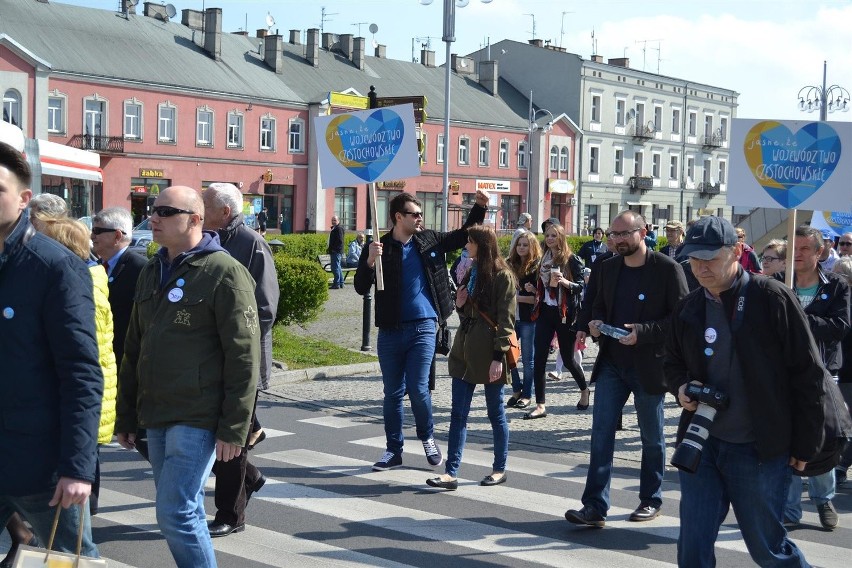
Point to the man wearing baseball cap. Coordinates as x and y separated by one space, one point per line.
745 336
674 236
524 225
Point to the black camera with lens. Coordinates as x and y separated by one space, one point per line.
687 455
444 340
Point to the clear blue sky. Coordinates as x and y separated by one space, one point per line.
764 49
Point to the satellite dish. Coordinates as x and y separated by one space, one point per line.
373 28
375 44
270 21
170 10
462 63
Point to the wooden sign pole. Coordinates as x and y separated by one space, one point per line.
791 245
380 277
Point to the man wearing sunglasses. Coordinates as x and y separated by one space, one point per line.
415 300
844 245
192 355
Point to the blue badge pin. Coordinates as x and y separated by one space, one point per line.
8 313
433 253
708 352
824 296
641 297
110 279
180 282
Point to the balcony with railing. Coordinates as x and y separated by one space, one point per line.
711 141
709 188
642 132
101 144
640 184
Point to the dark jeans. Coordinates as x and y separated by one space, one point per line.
526 335
548 323
336 262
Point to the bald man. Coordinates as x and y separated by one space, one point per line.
191 361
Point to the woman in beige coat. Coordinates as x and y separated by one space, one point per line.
478 356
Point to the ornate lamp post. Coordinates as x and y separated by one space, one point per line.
824 99
533 127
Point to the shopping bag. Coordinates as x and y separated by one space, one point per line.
32 557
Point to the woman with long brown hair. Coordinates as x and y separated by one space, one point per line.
478 356
557 301
523 260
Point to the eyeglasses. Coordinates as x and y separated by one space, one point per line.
102 230
771 258
415 214
169 211
621 234
845 243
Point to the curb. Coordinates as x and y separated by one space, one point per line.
299 375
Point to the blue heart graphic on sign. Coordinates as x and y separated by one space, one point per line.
791 168
366 147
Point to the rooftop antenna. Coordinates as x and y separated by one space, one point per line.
644 43
359 24
533 28
325 18
425 43
594 43
562 28
659 51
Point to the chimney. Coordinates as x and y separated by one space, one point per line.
273 52
157 11
461 64
427 58
128 6
597 58
359 52
296 37
193 19
347 45
240 33
381 51
261 33
312 52
537 42
328 39
213 32
619 61
488 77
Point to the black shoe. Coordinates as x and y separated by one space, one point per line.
585 516
512 402
645 512
255 487
530 416
433 452
491 480
223 529
438 482
389 460
259 439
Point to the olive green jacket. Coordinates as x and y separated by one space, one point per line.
476 344
192 352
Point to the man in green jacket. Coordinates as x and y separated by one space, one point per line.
190 367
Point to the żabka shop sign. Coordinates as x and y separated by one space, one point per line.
500 186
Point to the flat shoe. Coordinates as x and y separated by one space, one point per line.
530 416
582 406
260 438
489 480
522 404
512 402
440 483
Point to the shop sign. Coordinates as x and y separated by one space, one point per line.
139 189
500 186
392 184
345 100
561 186
148 173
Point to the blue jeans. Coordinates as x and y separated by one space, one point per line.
732 475
35 509
820 489
612 388
181 457
405 357
336 261
462 396
526 335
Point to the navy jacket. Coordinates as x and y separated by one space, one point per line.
51 384
122 288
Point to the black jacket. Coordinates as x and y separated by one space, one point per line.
828 317
335 240
591 249
432 247
780 364
663 285
585 315
122 288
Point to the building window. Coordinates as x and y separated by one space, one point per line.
690 168
166 124
554 158
638 163
423 147
235 130
640 114
674 172
56 115
267 133
430 204
464 151
675 121
620 109
596 108
440 147
296 143
484 151
344 206
510 210
12 107
619 162
655 166
503 156
706 176
204 127
693 123
594 158
708 125
522 155
94 122
590 216
563 159
723 172
132 120
723 128
658 118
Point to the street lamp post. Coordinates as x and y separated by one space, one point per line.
533 126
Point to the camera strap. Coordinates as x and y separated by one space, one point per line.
739 306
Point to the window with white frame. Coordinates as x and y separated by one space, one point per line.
690 168
707 166
296 138
204 126
693 123
166 123
640 114
619 162
658 118
638 162
522 155
503 155
563 159
674 171
235 130
439 158
596 108
12 107
267 133
594 159
708 125
723 171
723 128
464 151
133 120
675 121
656 160
554 158
484 151
56 105
620 111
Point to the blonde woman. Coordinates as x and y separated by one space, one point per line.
524 258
